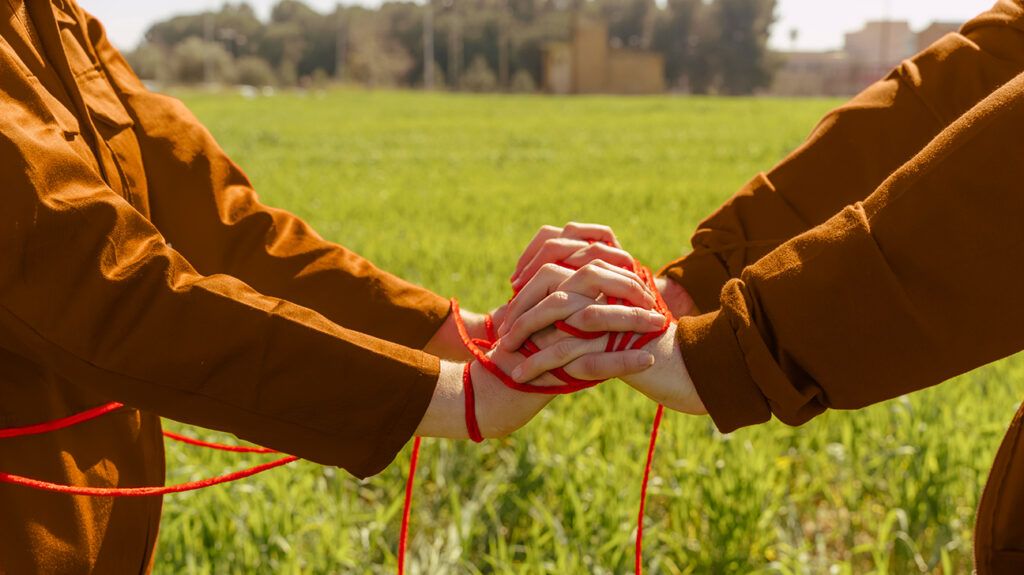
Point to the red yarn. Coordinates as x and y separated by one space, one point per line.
472 425
478 348
142 491
220 446
643 490
59 423
403 535
95 412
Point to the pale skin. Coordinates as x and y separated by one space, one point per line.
549 293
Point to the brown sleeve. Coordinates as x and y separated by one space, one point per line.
206 208
89 288
854 149
917 284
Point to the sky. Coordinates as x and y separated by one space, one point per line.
820 23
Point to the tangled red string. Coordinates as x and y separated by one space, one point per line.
478 348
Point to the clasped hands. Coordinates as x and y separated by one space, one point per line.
569 274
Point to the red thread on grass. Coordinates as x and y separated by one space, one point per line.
403 535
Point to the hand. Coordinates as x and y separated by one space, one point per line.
558 293
667 382
574 245
501 410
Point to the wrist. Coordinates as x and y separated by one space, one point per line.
501 410
676 297
445 416
447 343
668 381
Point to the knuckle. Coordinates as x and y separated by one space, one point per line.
590 317
551 245
637 315
560 299
594 268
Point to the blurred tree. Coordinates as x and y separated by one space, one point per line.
630 22
675 37
149 62
742 47
254 71
479 76
196 61
376 58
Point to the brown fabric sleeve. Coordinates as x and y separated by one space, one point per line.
91 289
917 284
206 208
854 149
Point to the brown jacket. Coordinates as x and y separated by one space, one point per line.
139 267
859 303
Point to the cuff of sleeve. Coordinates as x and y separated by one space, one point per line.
701 275
416 399
434 311
718 368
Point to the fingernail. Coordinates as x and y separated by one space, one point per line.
517 373
646 360
656 318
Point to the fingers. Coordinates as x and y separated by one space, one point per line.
539 287
561 353
599 277
572 231
544 234
590 233
575 254
598 251
592 280
550 251
548 336
620 318
582 313
557 306
601 366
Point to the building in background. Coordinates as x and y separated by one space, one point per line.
589 64
933 32
867 55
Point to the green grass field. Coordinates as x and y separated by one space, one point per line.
445 190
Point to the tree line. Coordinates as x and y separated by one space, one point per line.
709 46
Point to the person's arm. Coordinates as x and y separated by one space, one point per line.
917 284
205 206
90 289
852 151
